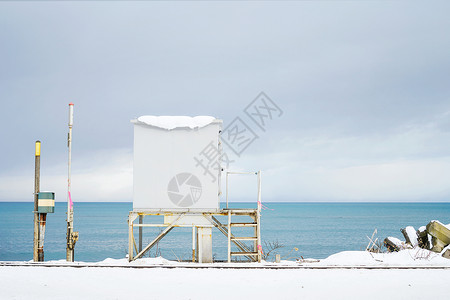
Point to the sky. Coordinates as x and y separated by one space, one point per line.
363 87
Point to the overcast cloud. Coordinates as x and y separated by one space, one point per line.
364 87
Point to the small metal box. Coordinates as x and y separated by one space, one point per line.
46 202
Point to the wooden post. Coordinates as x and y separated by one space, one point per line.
42 220
258 217
141 220
229 236
193 243
131 218
37 167
255 232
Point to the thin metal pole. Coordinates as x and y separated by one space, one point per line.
243 173
227 188
70 240
259 190
37 167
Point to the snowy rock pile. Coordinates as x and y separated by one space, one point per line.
435 237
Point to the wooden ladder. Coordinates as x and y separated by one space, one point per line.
252 254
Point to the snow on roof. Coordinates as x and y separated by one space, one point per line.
172 122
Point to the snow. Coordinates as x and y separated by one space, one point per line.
400 244
313 280
445 249
408 257
412 235
396 241
416 257
150 261
182 283
172 122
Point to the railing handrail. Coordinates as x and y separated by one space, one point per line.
257 173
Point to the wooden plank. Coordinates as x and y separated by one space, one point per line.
244 253
245 238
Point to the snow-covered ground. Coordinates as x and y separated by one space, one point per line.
409 257
39 282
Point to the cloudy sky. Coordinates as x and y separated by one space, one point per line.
364 87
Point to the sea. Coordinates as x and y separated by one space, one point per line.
293 230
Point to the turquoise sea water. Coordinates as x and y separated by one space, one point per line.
316 229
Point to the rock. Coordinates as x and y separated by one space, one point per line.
410 235
394 244
440 234
422 238
446 253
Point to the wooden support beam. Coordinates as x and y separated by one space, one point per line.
131 217
159 237
141 220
